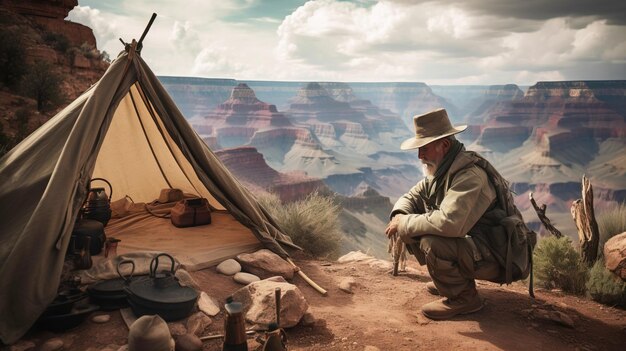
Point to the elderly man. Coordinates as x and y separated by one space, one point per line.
455 220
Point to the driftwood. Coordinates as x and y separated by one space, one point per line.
588 234
397 249
541 213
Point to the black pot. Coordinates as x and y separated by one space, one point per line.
110 294
161 294
87 228
62 322
64 302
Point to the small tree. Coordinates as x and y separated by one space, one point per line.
12 58
42 84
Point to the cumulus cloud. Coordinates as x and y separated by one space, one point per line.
103 29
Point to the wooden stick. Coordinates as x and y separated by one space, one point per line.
541 213
307 279
219 336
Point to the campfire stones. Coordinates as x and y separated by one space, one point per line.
228 267
245 278
264 263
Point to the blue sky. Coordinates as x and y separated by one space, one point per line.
437 42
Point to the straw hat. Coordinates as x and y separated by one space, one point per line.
429 127
150 333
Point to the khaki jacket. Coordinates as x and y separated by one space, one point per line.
462 200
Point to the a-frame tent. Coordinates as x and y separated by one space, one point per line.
127 129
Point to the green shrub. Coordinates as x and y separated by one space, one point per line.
605 287
610 223
12 58
42 83
557 265
57 40
311 223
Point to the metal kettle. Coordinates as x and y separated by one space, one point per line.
98 203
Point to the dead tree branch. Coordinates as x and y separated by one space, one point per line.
583 214
541 213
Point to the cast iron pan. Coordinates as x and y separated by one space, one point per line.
109 294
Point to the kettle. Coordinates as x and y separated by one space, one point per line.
98 204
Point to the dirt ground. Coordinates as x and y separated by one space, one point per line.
383 312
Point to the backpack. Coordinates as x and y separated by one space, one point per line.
504 231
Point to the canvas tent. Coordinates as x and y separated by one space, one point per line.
127 129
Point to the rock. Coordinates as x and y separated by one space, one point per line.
258 299
354 256
371 348
208 305
23 345
188 342
245 278
264 263
128 316
228 267
185 279
177 329
615 255
111 347
123 348
101 318
197 322
307 320
52 345
422 320
347 284
561 318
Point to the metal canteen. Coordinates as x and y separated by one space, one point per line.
98 203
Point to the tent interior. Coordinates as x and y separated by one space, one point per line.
139 158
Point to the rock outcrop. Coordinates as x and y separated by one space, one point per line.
249 166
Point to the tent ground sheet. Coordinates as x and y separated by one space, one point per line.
194 247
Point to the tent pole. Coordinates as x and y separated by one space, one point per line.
307 279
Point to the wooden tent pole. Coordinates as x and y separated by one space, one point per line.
307 279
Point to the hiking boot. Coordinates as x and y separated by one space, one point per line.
447 308
432 289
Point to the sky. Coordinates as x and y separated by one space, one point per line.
436 42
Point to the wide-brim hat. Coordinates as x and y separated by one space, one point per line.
429 127
150 332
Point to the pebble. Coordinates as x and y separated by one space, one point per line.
344 339
229 267
23 345
347 284
101 318
371 348
52 345
245 278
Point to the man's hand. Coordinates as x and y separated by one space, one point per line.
392 227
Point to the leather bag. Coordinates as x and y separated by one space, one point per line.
191 212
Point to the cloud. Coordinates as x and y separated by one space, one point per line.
104 30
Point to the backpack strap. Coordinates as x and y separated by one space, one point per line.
530 281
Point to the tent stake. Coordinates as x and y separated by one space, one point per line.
307 279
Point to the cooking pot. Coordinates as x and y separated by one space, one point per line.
161 294
98 204
109 294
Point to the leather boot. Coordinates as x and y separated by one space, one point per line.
447 308
432 289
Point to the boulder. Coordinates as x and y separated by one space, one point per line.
258 299
228 267
615 255
264 263
245 278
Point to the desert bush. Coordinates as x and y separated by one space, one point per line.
12 58
58 41
610 223
557 265
43 84
311 223
605 287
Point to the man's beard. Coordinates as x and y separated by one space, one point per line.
429 168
